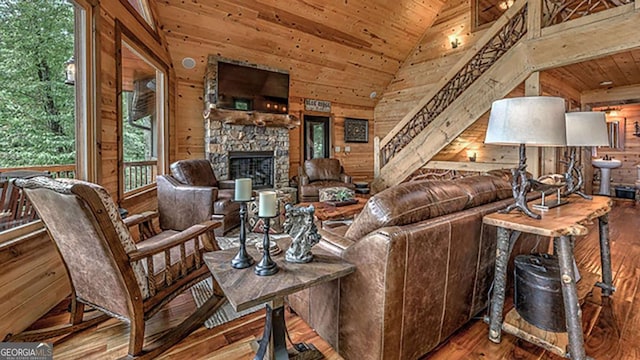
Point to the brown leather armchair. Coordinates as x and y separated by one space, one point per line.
192 194
316 174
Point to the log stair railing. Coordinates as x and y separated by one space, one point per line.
490 70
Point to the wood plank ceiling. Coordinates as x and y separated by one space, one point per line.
622 69
334 50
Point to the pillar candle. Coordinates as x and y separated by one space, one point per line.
268 206
243 190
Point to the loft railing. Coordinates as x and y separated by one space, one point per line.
16 210
559 11
553 12
500 43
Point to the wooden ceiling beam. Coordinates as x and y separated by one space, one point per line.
613 95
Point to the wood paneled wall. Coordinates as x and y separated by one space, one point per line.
627 174
32 281
339 52
427 64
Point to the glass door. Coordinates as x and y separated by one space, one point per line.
316 137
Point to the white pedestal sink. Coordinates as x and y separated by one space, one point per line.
605 173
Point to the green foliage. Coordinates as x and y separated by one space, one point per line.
36 108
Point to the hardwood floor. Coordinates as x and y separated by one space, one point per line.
613 334
612 325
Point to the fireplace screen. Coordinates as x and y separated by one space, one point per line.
256 165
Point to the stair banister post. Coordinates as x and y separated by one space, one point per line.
376 156
534 18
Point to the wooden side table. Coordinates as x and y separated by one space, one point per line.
561 223
244 289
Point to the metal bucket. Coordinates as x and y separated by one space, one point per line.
538 292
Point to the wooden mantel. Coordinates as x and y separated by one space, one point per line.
238 117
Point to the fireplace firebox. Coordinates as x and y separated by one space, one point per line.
256 165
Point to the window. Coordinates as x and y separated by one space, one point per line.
316 137
142 8
141 111
485 12
45 119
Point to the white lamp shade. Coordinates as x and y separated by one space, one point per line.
586 129
531 120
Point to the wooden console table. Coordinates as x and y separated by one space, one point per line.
244 289
561 223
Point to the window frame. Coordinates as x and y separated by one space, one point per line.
86 163
122 33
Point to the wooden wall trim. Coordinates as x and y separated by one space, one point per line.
468 166
617 94
599 37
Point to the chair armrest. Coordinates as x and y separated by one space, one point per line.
181 206
303 179
157 245
136 219
227 184
333 242
345 178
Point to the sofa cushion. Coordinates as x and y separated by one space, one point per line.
323 169
194 172
408 203
481 189
503 188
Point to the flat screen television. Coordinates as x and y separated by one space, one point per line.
252 89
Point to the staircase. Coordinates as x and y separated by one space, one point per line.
501 60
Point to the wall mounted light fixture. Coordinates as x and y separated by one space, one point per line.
472 155
504 5
455 42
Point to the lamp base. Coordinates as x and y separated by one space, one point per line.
520 186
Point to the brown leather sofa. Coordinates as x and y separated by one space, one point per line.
192 194
316 174
424 265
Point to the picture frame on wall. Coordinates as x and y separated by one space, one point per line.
356 130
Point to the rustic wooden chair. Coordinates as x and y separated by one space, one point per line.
15 208
109 271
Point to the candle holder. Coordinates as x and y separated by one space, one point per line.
242 259
266 266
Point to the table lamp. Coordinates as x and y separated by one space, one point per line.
587 128
531 120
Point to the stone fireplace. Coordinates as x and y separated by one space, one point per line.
244 146
250 144
256 165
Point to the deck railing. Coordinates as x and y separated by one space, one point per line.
15 208
138 174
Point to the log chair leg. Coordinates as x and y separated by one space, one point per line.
77 312
499 285
605 257
136 336
572 311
